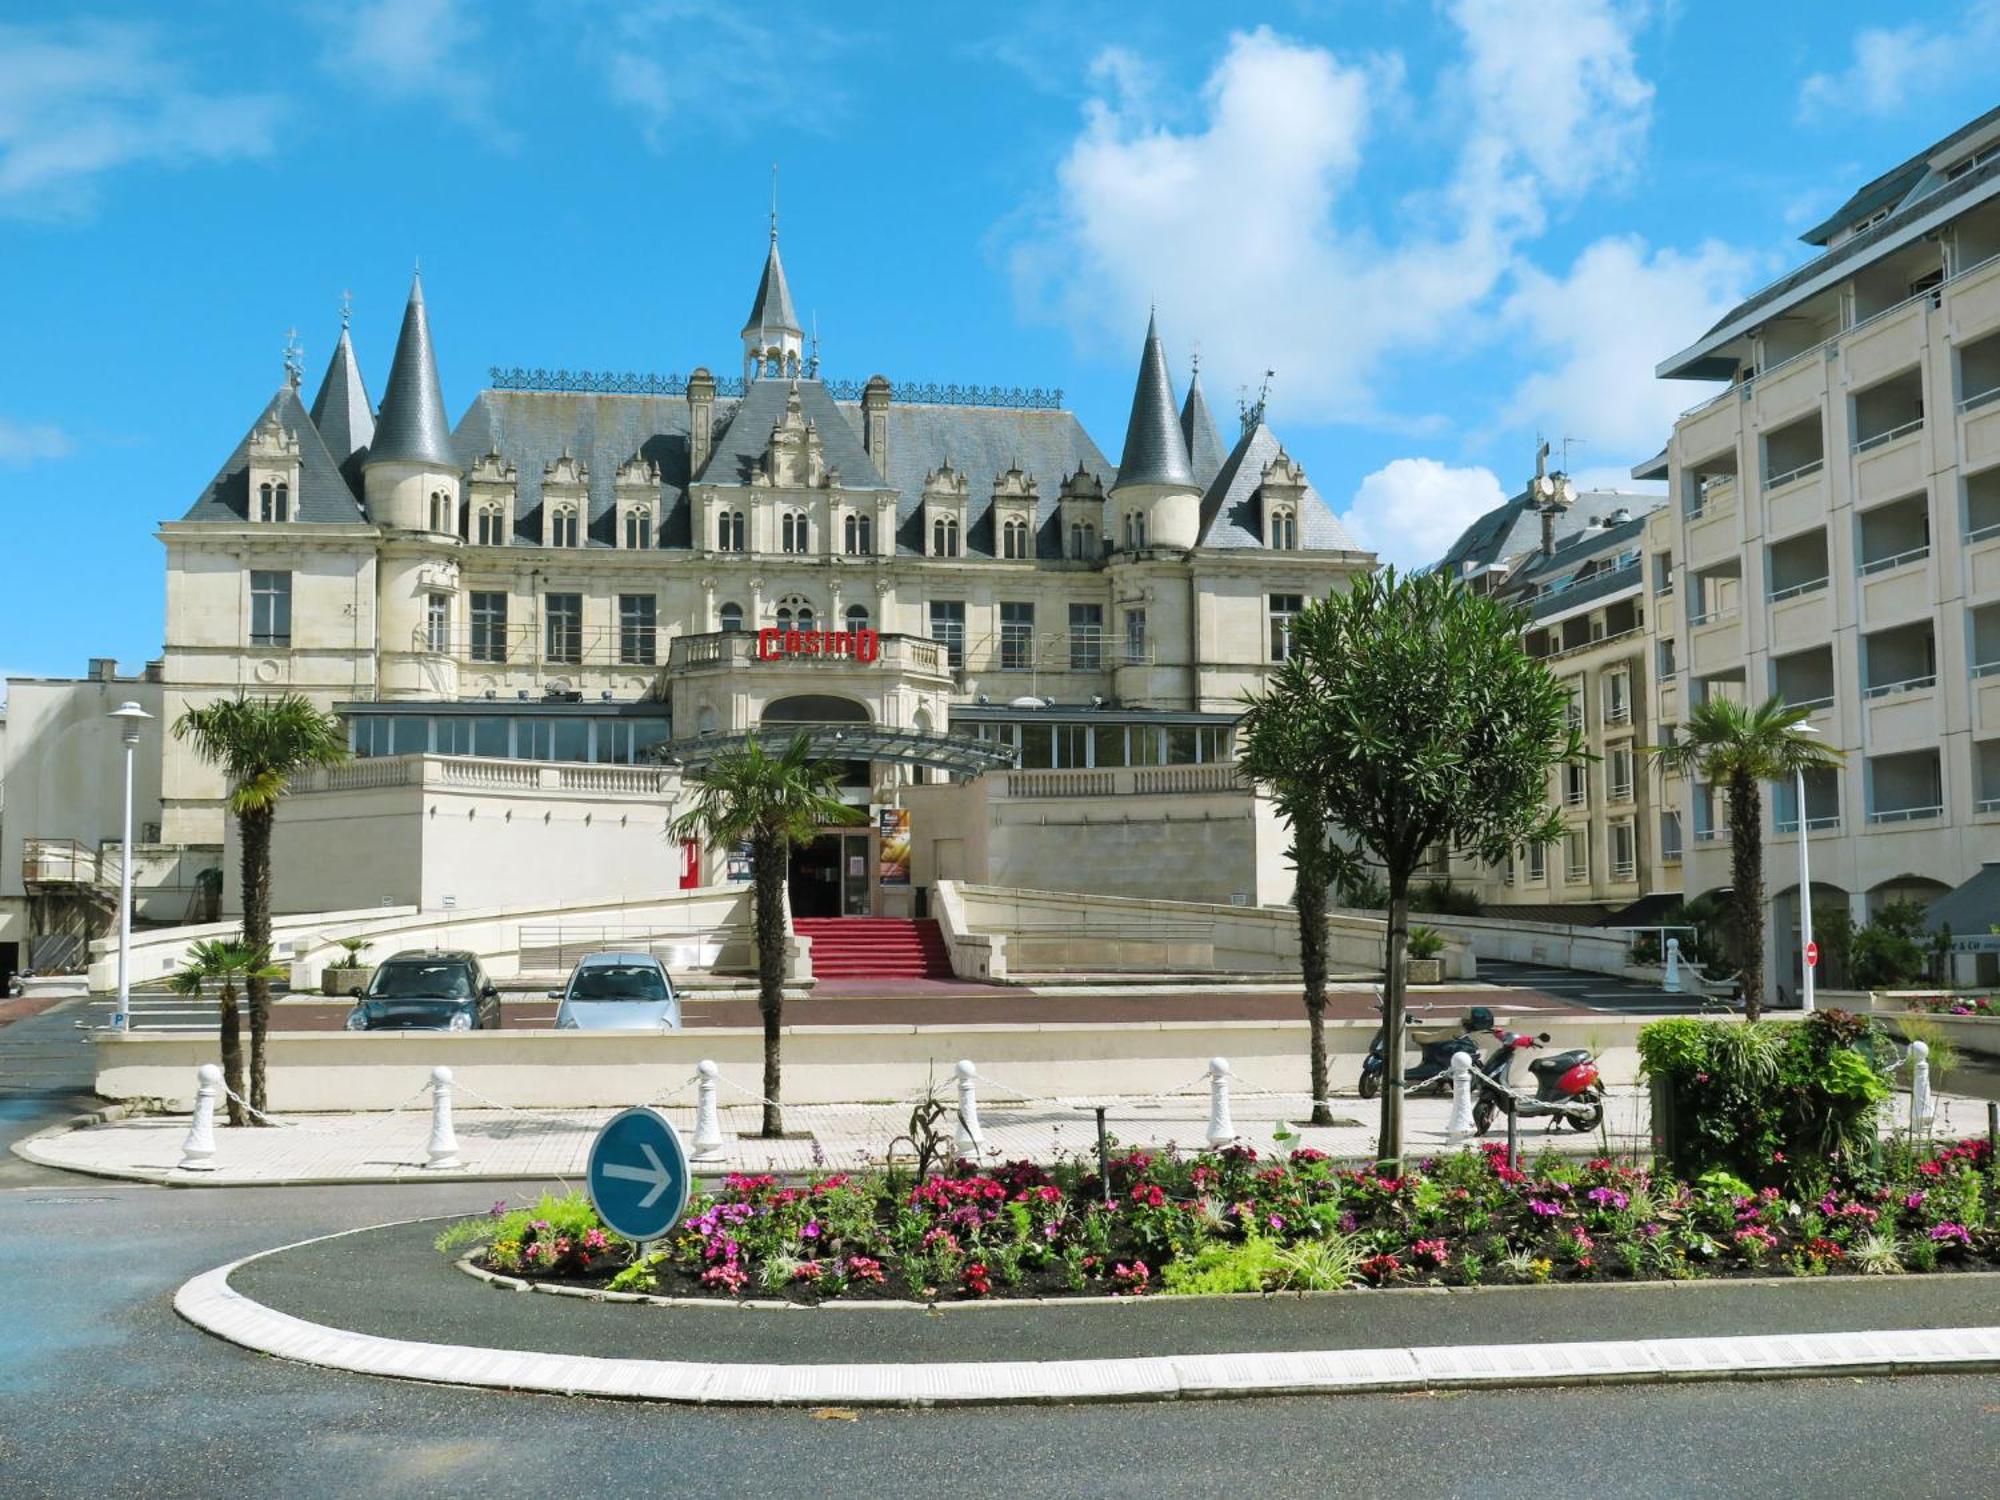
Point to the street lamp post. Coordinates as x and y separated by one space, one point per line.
1805 896
129 717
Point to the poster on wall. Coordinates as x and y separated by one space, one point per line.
739 862
894 866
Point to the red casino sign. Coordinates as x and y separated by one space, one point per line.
775 644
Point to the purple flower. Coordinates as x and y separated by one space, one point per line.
1605 1197
1914 1200
1347 1223
1277 1222
811 1231
1952 1234
1543 1207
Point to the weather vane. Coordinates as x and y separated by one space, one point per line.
295 362
346 309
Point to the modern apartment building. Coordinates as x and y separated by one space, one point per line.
1834 537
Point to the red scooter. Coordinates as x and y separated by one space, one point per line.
1567 1085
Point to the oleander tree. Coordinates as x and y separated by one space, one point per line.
1407 718
772 802
225 963
259 745
1736 748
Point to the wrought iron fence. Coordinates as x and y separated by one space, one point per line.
642 383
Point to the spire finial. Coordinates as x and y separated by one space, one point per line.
774 203
346 309
295 359
812 366
1194 358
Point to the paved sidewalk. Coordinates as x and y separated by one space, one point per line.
508 1144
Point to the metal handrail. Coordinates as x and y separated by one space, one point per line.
1811 585
1862 445
1907 685
1987 669
1886 564
1803 471
1980 398
1906 814
1983 533
1813 825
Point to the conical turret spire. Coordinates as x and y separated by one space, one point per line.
1198 430
412 427
772 311
341 411
1156 451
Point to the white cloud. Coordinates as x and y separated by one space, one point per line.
30 442
1412 509
1890 63
84 98
428 50
1602 327
1243 225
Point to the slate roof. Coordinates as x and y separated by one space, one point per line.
342 411
1513 527
1232 517
772 310
530 429
1198 428
1894 185
1155 451
1589 540
323 492
739 447
412 426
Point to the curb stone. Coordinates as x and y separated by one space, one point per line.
210 1303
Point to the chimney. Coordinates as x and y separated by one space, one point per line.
701 420
875 422
1548 514
104 669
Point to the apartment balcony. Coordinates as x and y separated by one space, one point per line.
1790 387
1893 340
1889 463
1986 699
1979 430
1899 684
1715 643
1986 778
1715 425
1711 536
1906 788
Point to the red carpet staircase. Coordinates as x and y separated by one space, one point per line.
875 948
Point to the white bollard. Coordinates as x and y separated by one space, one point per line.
443 1150
1460 1129
1221 1129
1673 981
1920 1087
198 1150
708 1144
967 1138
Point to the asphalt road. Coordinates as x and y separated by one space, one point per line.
104 1392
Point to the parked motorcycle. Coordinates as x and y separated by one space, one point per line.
1436 1043
1567 1085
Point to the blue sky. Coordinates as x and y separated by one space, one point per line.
1446 226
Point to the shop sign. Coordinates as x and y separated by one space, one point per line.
893 867
775 644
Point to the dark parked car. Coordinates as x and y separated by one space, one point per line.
427 992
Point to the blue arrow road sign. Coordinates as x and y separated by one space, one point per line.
639 1174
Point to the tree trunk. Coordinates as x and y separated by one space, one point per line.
1389 1149
1309 896
1746 896
232 1051
255 828
769 861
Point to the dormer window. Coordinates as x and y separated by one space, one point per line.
1014 540
1284 529
444 516
858 535
1082 541
730 531
563 526
794 532
490 526
274 502
638 529
944 537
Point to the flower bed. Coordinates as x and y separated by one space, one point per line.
1231 1221
1951 1005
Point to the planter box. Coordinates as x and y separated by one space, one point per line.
1424 970
340 981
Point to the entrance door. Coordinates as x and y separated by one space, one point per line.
816 877
854 875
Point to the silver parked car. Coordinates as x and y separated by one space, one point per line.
618 992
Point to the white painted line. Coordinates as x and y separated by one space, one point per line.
210 1303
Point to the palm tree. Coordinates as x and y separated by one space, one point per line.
1738 749
260 744
225 962
771 802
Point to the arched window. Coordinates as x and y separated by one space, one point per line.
562 526
1014 539
859 535
442 518
1135 530
638 529
730 617
944 537
264 502
1083 541
1284 530
795 613
794 535
491 519
856 617
729 531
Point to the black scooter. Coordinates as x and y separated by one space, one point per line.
1432 1074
